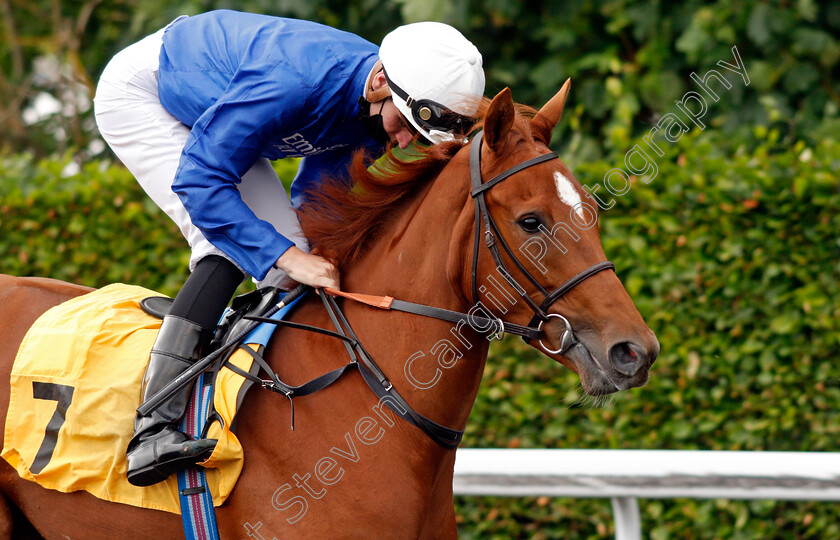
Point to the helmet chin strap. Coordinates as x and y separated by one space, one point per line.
373 123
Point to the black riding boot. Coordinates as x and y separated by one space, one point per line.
158 449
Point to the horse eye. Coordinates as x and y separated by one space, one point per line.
530 224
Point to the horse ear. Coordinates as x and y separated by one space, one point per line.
499 119
549 115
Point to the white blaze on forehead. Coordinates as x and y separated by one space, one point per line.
567 192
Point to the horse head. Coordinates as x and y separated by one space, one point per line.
541 229
518 240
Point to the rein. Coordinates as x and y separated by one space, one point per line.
499 326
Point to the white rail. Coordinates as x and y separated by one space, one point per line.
627 475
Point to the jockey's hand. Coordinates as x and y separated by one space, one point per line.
308 269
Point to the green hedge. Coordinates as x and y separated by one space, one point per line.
628 59
91 226
731 254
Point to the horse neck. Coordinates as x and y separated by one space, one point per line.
420 259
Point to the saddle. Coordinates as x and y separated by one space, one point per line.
75 385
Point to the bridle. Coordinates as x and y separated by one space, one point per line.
373 376
375 379
493 239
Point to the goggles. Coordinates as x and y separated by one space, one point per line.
431 115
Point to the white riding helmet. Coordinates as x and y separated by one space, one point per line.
435 75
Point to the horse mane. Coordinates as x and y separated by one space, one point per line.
341 217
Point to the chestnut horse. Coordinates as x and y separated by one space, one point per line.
351 468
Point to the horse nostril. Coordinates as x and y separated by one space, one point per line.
627 358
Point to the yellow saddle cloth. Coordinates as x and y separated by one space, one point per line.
75 386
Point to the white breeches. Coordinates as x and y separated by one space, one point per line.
148 140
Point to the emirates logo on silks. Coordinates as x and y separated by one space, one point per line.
297 146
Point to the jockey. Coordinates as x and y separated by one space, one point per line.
197 110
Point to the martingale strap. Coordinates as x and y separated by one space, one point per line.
359 359
382 387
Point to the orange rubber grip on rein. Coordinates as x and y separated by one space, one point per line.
381 302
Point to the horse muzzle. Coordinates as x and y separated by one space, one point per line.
603 369
628 358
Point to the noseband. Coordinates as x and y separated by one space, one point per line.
493 239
